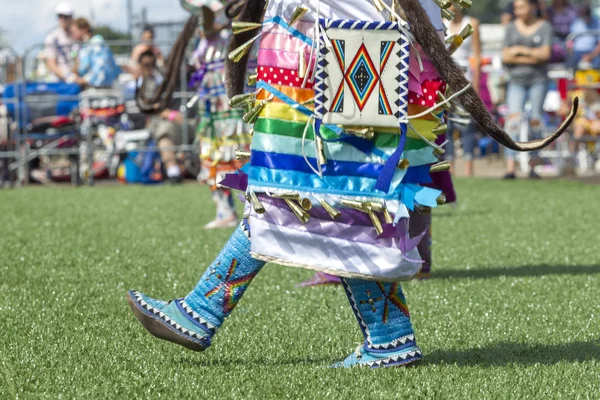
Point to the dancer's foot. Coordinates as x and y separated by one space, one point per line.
402 357
534 175
173 321
423 276
321 279
222 223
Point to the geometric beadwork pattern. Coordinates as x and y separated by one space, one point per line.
234 288
386 51
339 49
394 299
361 77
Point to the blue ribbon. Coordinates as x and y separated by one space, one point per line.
298 163
417 175
291 30
387 174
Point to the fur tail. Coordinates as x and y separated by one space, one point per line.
235 73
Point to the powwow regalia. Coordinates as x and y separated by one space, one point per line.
346 112
221 131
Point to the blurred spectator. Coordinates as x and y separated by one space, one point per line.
586 48
167 131
587 122
58 44
167 128
508 14
469 50
148 71
526 52
148 74
95 63
561 15
147 39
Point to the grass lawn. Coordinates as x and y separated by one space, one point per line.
513 311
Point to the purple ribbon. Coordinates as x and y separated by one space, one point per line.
197 77
400 232
237 181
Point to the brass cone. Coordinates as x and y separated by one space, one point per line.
302 215
243 26
443 4
376 222
306 204
463 3
377 207
404 163
239 100
251 116
365 133
440 167
237 54
242 155
256 204
298 13
332 211
447 14
459 39
440 129
252 79
387 216
357 205
288 196
321 157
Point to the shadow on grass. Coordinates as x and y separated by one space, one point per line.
228 362
506 353
523 271
317 360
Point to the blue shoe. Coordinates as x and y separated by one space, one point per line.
409 356
174 321
192 321
383 317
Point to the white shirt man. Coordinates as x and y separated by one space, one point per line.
58 47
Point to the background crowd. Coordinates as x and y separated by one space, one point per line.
537 34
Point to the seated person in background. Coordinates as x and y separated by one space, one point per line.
148 71
167 131
95 64
167 128
586 48
147 44
57 47
587 122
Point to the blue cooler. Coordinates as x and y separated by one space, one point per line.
48 100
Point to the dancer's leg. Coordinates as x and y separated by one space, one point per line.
382 314
226 216
192 321
418 224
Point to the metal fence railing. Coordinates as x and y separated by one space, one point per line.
23 145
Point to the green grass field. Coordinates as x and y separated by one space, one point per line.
513 311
